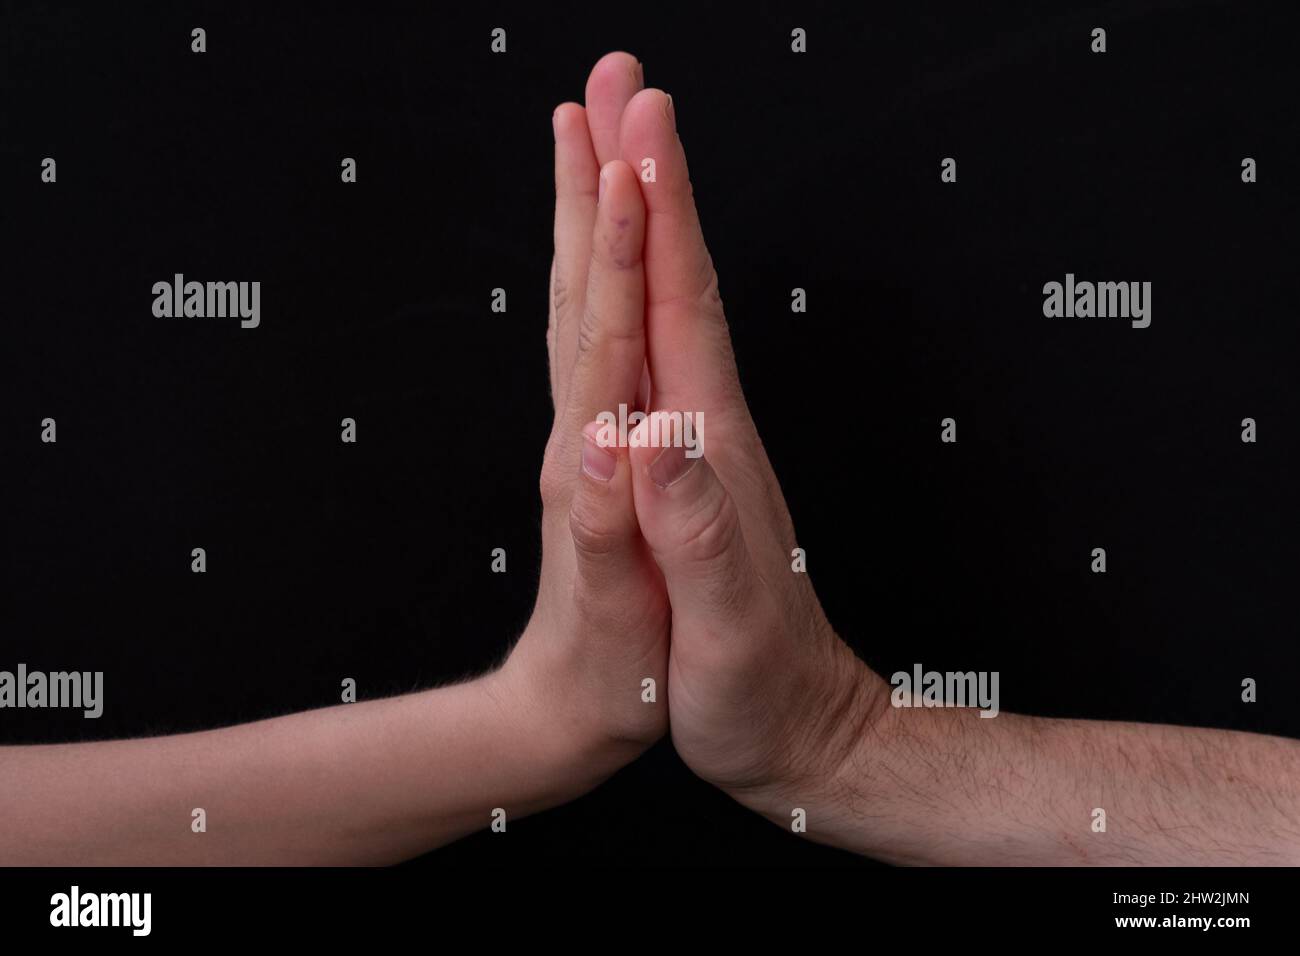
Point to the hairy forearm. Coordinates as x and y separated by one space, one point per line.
365 783
945 786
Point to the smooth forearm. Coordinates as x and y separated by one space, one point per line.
366 783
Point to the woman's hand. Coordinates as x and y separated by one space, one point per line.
599 630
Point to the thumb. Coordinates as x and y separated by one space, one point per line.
602 518
693 529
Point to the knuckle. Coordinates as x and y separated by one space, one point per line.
710 297
560 295
553 483
610 340
712 543
709 532
594 534
588 331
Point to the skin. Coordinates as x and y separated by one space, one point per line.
768 704
657 565
381 781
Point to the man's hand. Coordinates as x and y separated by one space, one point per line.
762 693
768 704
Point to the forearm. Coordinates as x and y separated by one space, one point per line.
365 783
945 786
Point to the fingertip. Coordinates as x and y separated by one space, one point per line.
640 457
616 167
671 465
597 433
638 451
649 115
615 70
599 455
619 180
598 463
665 446
575 159
614 80
566 117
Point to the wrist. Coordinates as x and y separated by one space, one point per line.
561 736
827 748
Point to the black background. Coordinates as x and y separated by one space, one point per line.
821 171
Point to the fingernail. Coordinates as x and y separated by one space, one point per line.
672 113
555 123
600 188
671 466
597 462
640 72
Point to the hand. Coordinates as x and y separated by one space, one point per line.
767 703
600 625
382 780
764 697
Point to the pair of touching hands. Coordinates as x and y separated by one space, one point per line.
656 564
662 565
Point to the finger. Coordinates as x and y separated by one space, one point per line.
694 532
602 519
611 342
643 390
688 345
575 212
614 80
552 377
